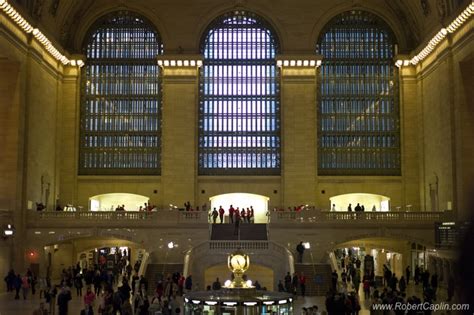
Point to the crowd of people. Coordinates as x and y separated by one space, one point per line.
106 291
235 215
343 297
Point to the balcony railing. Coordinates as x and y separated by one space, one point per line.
375 217
152 216
169 217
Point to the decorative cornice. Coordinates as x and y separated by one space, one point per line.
24 25
179 61
436 40
302 61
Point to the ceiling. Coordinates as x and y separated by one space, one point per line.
179 21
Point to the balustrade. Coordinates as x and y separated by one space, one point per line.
304 216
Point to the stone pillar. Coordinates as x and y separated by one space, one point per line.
298 125
381 260
11 165
68 122
409 139
179 130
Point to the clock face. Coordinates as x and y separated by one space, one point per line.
238 261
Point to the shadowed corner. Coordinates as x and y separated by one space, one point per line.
466 262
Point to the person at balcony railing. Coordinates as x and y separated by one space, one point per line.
243 215
333 207
221 214
231 214
236 221
248 215
187 205
40 206
374 209
349 208
215 214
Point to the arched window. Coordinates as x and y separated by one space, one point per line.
121 98
358 110
239 109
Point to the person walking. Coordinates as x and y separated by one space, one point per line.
302 280
25 286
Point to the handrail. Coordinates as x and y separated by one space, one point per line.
391 216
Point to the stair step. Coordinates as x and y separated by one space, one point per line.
248 232
155 272
318 278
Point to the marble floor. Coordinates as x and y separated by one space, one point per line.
10 306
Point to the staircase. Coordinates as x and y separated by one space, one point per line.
155 272
247 232
318 278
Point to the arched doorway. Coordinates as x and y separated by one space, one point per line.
243 200
109 202
370 201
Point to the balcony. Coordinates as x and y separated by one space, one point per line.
375 218
145 219
170 218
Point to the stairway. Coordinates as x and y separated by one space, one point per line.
318 278
248 232
155 272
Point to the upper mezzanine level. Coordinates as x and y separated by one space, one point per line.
200 219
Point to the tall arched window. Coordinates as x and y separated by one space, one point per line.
358 108
239 109
121 97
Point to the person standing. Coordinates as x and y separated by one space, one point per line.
89 299
215 214
294 284
236 221
349 208
434 282
333 208
402 284
288 282
78 284
407 274
221 214
417 275
231 214
300 250
450 288
17 286
64 297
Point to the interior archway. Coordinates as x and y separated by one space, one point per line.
242 200
341 202
109 202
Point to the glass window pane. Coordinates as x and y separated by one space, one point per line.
121 98
358 108
239 98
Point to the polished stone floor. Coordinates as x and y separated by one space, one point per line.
9 306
